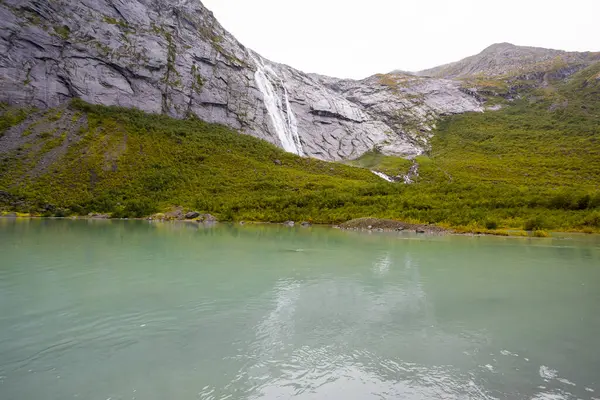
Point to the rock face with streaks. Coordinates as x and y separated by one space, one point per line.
173 57
410 105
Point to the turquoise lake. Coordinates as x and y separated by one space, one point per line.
138 310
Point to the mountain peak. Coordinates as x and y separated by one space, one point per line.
501 59
499 46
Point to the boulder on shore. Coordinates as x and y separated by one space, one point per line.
175 213
192 215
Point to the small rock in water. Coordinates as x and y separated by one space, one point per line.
400 228
289 223
305 224
370 227
420 231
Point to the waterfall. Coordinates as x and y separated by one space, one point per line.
284 121
408 179
384 176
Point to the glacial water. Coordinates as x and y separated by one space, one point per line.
103 310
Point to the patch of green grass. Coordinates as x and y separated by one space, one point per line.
54 116
62 31
53 143
387 164
27 132
527 144
27 80
541 234
115 21
10 116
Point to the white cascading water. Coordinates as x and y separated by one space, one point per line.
408 179
284 122
383 176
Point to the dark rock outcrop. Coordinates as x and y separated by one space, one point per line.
192 215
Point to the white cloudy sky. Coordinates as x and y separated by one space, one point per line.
355 39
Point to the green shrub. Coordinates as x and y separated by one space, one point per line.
592 219
534 223
62 212
10 117
137 209
491 224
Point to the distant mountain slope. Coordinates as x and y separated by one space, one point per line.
508 59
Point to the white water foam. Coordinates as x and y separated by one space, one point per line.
284 121
384 176
566 381
489 367
548 373
407 179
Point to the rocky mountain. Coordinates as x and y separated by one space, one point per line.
506 59
173 57
408 104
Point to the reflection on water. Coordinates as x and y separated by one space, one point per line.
120 310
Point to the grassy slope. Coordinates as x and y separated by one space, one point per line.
523 166
388 165
536 161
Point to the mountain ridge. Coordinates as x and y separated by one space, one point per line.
501 59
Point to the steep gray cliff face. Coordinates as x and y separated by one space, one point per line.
173 57
409 104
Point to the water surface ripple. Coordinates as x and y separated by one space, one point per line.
137 310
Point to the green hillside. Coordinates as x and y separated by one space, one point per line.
535 164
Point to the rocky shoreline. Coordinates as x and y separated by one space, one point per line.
389 225
358 224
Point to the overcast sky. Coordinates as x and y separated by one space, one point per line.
356 39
